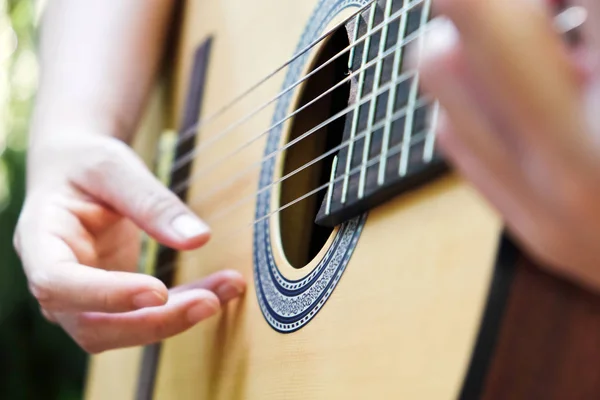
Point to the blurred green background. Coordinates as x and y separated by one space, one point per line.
37 360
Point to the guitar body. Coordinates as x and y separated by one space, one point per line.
410 315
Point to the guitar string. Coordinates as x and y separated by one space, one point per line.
190 156
207 120
196 175
566 21
394 150
394 117
367 34
402 147
397 115
365 164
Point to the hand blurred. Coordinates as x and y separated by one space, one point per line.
521 121
79 235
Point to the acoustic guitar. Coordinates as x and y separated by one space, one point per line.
298 132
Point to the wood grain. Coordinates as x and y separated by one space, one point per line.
404 318
549 344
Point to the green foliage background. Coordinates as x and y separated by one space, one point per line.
37 360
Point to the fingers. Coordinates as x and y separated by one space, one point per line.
60 283
473 139
518 58
96 332
506 192
226 285
480 140
118 178
520 75
187 306
74 287
512 123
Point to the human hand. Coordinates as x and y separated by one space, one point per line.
521 121
78 237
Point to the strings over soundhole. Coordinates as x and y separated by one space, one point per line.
391 142
374 139
308 162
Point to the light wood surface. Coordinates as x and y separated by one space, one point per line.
403 319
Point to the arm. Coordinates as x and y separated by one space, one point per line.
88 195
100 59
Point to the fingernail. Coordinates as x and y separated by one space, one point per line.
440 35
443 35
188 226
148 299
201 311
227 291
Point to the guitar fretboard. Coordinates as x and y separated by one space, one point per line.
391 144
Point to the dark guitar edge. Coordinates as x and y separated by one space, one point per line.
549 341
539 337
499 291
166 256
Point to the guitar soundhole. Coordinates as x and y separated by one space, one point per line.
301 238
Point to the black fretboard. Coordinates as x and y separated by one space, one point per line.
390 141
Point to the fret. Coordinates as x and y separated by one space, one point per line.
414 92
392 126
408 126
361 81
373 102
330 188
354 39
430 139
398 56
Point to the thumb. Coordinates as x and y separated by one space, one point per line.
116 176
